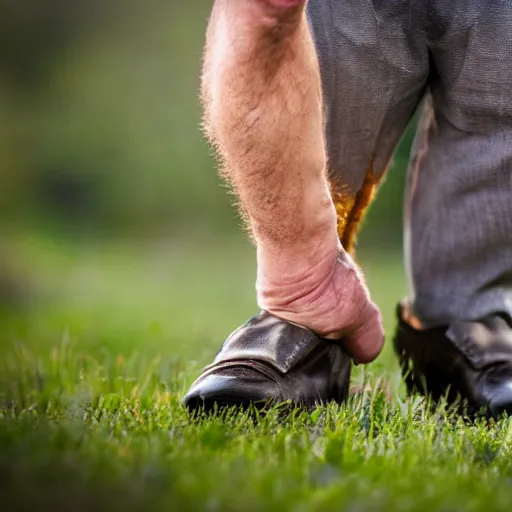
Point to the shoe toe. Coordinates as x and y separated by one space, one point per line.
238 386
500 400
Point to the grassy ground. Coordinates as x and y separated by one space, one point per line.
94 363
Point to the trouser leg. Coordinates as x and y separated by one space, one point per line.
374 67
459 195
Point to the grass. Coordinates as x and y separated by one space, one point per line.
94 363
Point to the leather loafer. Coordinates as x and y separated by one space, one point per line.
269 361
468 363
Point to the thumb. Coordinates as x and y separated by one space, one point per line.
365 341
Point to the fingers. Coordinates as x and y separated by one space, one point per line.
358 318
365 342
332 301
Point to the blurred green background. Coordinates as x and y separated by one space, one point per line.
115 231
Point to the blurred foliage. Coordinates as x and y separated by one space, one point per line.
99 120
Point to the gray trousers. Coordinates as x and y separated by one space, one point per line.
379 60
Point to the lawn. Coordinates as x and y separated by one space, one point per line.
96 355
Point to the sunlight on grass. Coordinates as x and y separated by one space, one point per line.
95 363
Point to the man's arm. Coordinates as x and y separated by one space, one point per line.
263 112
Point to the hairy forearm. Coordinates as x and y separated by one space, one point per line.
263 111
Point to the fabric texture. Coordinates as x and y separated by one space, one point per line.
379 61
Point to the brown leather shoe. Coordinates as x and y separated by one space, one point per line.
268 361
468 363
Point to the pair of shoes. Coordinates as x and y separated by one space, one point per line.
269 361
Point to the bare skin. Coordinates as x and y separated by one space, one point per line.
263 112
